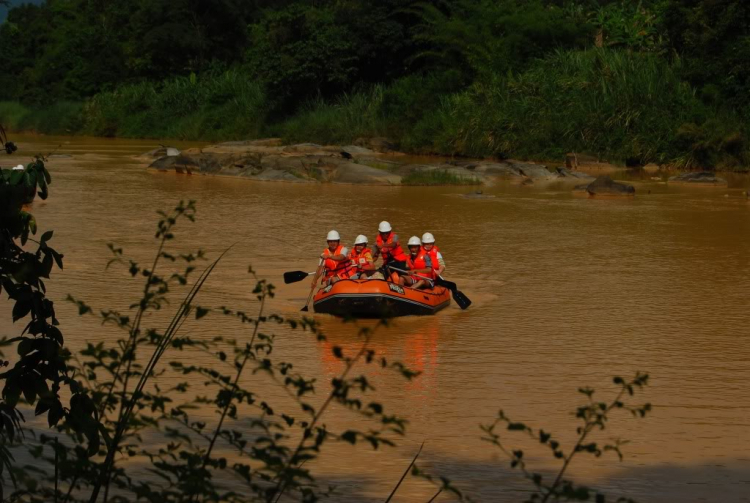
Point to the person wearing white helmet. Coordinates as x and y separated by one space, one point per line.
335 260
387 245
428 245
420 266
361 262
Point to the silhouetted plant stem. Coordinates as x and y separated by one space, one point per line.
390 496
234 384
552 490
282 483
163 343
436 495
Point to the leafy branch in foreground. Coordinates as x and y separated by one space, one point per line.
593 415
156 414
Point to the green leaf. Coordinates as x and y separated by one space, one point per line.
46 237
24 347
56 413
58 257
17 176
349 436
21 309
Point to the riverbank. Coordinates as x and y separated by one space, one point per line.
371 162
374 162
624 108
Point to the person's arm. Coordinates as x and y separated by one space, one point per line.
369 264
341 256
393 243
428 266
375 253
441 264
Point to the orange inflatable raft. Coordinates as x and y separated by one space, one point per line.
376 298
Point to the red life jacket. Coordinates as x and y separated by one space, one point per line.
396 253
433 256
358 260
420 262
338 268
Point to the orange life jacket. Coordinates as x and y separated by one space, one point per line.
420 262
359 260
396 253
338 268
433 256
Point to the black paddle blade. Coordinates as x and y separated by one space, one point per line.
304 309
450 285
294 276
462 300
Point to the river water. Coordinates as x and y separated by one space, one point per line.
567 292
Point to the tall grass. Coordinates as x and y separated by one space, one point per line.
616 104
60 118
211 107
349 117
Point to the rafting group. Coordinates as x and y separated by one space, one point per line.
406 283
417 269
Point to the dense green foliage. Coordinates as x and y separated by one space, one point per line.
652 81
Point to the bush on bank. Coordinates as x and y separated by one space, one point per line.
615 104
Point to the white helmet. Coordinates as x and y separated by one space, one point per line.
361 240
428 238
333 236
414 241
384 227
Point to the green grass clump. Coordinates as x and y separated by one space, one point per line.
615 104
59 118
438 177
215 106
351 116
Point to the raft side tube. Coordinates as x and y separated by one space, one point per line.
377 298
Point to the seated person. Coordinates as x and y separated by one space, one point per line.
335 260
362 265
429 247
419 264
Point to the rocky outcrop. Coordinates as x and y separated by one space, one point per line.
605 186
574 175
700 177
382 145
367 161
477 194
534 171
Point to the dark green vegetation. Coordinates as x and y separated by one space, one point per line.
664 81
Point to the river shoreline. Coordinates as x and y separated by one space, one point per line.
385 149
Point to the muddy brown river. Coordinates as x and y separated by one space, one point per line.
567 292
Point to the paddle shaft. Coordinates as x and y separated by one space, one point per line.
315 281
417 275
462 300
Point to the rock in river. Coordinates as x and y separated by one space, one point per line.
605 186
477 194
704 177
566 173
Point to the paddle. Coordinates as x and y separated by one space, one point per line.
295 276
462 300
315 281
